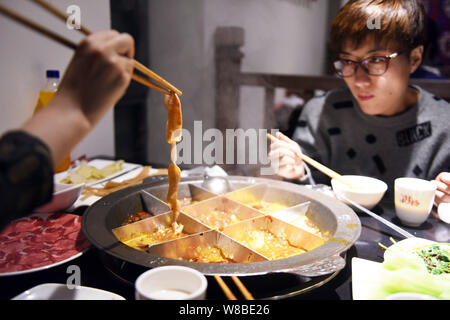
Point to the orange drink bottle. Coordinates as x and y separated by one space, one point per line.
45 96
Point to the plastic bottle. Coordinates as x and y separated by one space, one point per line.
45 96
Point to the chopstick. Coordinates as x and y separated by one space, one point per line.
325 170
337 176
139 66
242 288
15 16
225 288
38 28
149 84
155 77
228 293
47 6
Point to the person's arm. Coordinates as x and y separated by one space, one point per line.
95 80
26 175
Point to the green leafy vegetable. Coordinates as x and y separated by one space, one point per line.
436 259
422 270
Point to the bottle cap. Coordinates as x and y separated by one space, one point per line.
52 73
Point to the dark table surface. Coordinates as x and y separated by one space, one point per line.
95 274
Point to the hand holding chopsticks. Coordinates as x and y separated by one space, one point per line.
327 171
162 85
229 294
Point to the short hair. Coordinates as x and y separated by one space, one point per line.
402 22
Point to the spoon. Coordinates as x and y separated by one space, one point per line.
368 212
217 185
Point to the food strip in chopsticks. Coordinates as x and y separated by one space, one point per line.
175 121
172 193
173 135
173 152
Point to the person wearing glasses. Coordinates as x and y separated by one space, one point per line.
379 125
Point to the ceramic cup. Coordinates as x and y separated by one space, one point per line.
413 200
171 283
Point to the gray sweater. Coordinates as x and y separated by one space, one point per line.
333 130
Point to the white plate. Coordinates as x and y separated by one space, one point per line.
367 275
15 273
409 296
365 278
99 164
55 291
409 244
129 171
92 199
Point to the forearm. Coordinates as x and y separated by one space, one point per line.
26 175
60 125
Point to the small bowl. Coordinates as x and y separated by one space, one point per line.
368 191
64 196
171 283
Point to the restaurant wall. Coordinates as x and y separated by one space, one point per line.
26 55
281 36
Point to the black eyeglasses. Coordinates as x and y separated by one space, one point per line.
374 66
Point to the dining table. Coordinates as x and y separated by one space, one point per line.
94 273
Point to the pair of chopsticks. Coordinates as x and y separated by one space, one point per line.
337 176
229 293
325 170
162 86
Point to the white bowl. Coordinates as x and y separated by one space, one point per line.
171 283
64 196
367 193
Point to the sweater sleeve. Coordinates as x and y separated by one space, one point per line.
311 138
26 175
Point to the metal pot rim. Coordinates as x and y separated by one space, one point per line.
95 228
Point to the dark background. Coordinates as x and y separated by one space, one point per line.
130 114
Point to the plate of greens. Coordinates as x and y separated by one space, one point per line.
413 265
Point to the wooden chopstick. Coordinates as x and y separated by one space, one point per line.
21 19
225 288
228 293
139 66
147 83
242 288
327 171
47 6
156 77
38 28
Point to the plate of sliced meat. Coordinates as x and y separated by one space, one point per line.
40 241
